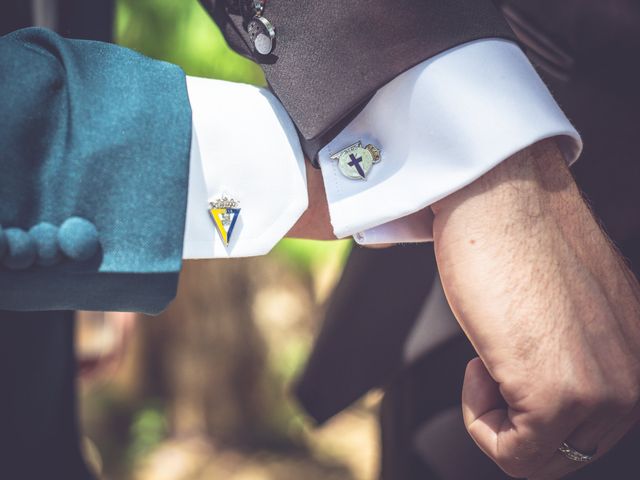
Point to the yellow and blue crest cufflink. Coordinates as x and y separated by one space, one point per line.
355 161
225 212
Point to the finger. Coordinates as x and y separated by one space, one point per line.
559 466
594 437
585 435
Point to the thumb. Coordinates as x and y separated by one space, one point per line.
483 408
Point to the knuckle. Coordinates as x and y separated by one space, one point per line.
618 399
623 400
584 399
591 399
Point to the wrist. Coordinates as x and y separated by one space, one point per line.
314 222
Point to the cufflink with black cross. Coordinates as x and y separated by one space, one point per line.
355 161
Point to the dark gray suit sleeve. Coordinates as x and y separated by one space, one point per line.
331 56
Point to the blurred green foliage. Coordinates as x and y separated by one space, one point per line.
148 429
181 32
311 255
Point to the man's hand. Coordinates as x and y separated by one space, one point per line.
551 309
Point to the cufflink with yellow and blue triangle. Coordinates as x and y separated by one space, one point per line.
225 212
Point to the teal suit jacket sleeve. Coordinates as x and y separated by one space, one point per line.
94 157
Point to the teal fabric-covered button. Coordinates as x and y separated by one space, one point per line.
46 237
21 249
78 238
3 243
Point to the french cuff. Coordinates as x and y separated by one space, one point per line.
438 127
247 180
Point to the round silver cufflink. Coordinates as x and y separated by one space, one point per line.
262 34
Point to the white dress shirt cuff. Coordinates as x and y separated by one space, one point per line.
244 147
440 126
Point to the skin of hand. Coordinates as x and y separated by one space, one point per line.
315 222
550 307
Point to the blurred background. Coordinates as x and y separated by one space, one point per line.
202 391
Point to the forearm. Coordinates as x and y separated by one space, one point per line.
525 191
530 211
551 309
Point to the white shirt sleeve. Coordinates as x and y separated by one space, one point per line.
244 147
440 126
